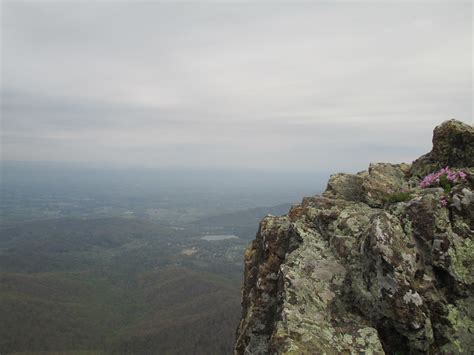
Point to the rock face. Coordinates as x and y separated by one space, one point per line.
375 265
453 145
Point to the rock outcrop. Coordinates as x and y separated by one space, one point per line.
376 264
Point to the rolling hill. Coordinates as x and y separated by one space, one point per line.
115 285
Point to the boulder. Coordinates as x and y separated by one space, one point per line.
359 271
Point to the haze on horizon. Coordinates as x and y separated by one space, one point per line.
307 86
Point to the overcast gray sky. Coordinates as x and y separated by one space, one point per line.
310 86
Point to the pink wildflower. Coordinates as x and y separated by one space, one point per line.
452 176
435 178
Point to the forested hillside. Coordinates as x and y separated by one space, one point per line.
118 286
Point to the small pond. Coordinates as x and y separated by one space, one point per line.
212 238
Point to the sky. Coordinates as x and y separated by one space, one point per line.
314 86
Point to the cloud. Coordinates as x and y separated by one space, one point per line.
265 85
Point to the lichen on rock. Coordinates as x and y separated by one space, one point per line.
352 271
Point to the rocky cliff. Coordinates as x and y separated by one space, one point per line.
381 262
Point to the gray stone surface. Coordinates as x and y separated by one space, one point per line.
358 270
